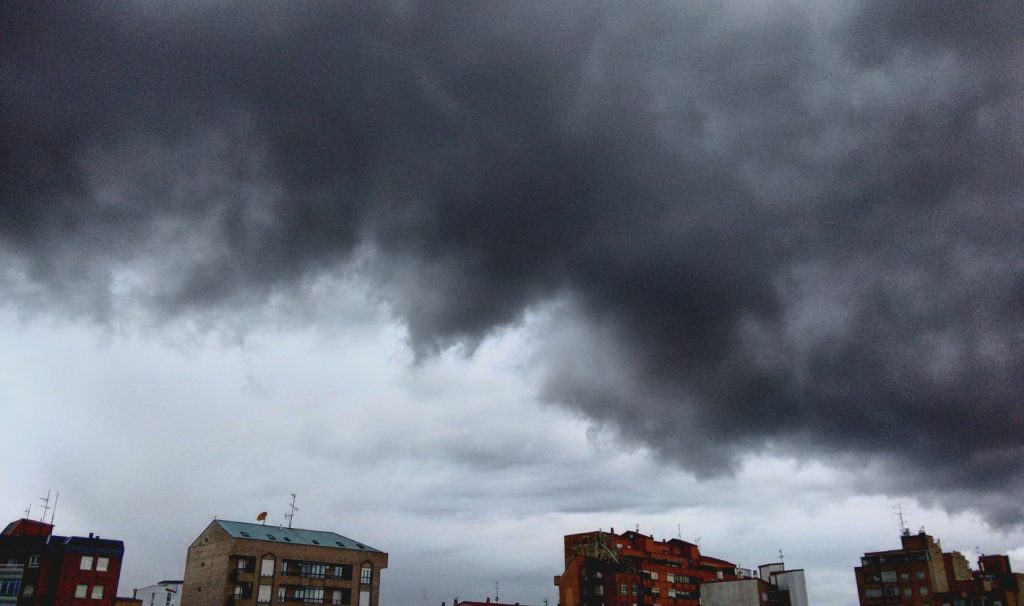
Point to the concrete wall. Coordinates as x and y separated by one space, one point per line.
744 592
794 582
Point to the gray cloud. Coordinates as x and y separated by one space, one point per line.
787 229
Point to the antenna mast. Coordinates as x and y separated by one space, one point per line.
291 514
496 599
899 515
53 513
28 511
46 506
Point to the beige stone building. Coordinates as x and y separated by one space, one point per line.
236 563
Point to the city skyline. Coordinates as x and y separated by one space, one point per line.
470 277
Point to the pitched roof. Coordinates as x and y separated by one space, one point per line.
297 536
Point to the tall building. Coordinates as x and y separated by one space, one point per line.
241 563
921 574
39 568
164 593
632 569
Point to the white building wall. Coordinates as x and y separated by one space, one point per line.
794 582
166 594
730 593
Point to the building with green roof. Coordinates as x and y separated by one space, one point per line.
238 563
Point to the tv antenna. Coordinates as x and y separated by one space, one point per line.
782 558
496 599
679 532
291 514
899 516
53 513
28 511
46 506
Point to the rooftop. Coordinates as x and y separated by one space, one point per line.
298 536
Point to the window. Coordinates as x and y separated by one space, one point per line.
654 576
313 570
343 572
364 598
671 577
10 587
102 564
888 576
671 593
31 590
365 576
267 567
86 563
907 592
923 590
623 590
904 576
280 594
81 591
97 592
655 591
920 575
271 537
636 590
891 591
872 593
599 590
33 561
264 595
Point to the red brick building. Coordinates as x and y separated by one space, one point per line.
921 574
632 569
38 568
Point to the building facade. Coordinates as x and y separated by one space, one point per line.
164 593
39 568
921 574
236 563
773 585
632 569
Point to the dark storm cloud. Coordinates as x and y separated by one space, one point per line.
794 229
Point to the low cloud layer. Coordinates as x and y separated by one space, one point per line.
776 228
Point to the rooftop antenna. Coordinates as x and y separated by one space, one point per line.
46 505
638 529
53 513
697 542
679 532
496 599
291 514
899 515
782 558
28 511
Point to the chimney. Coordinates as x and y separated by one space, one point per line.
90 535
455 602
488 600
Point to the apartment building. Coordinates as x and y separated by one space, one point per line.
237 563
39 568
921 574
632 569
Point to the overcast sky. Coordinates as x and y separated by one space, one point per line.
470 277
